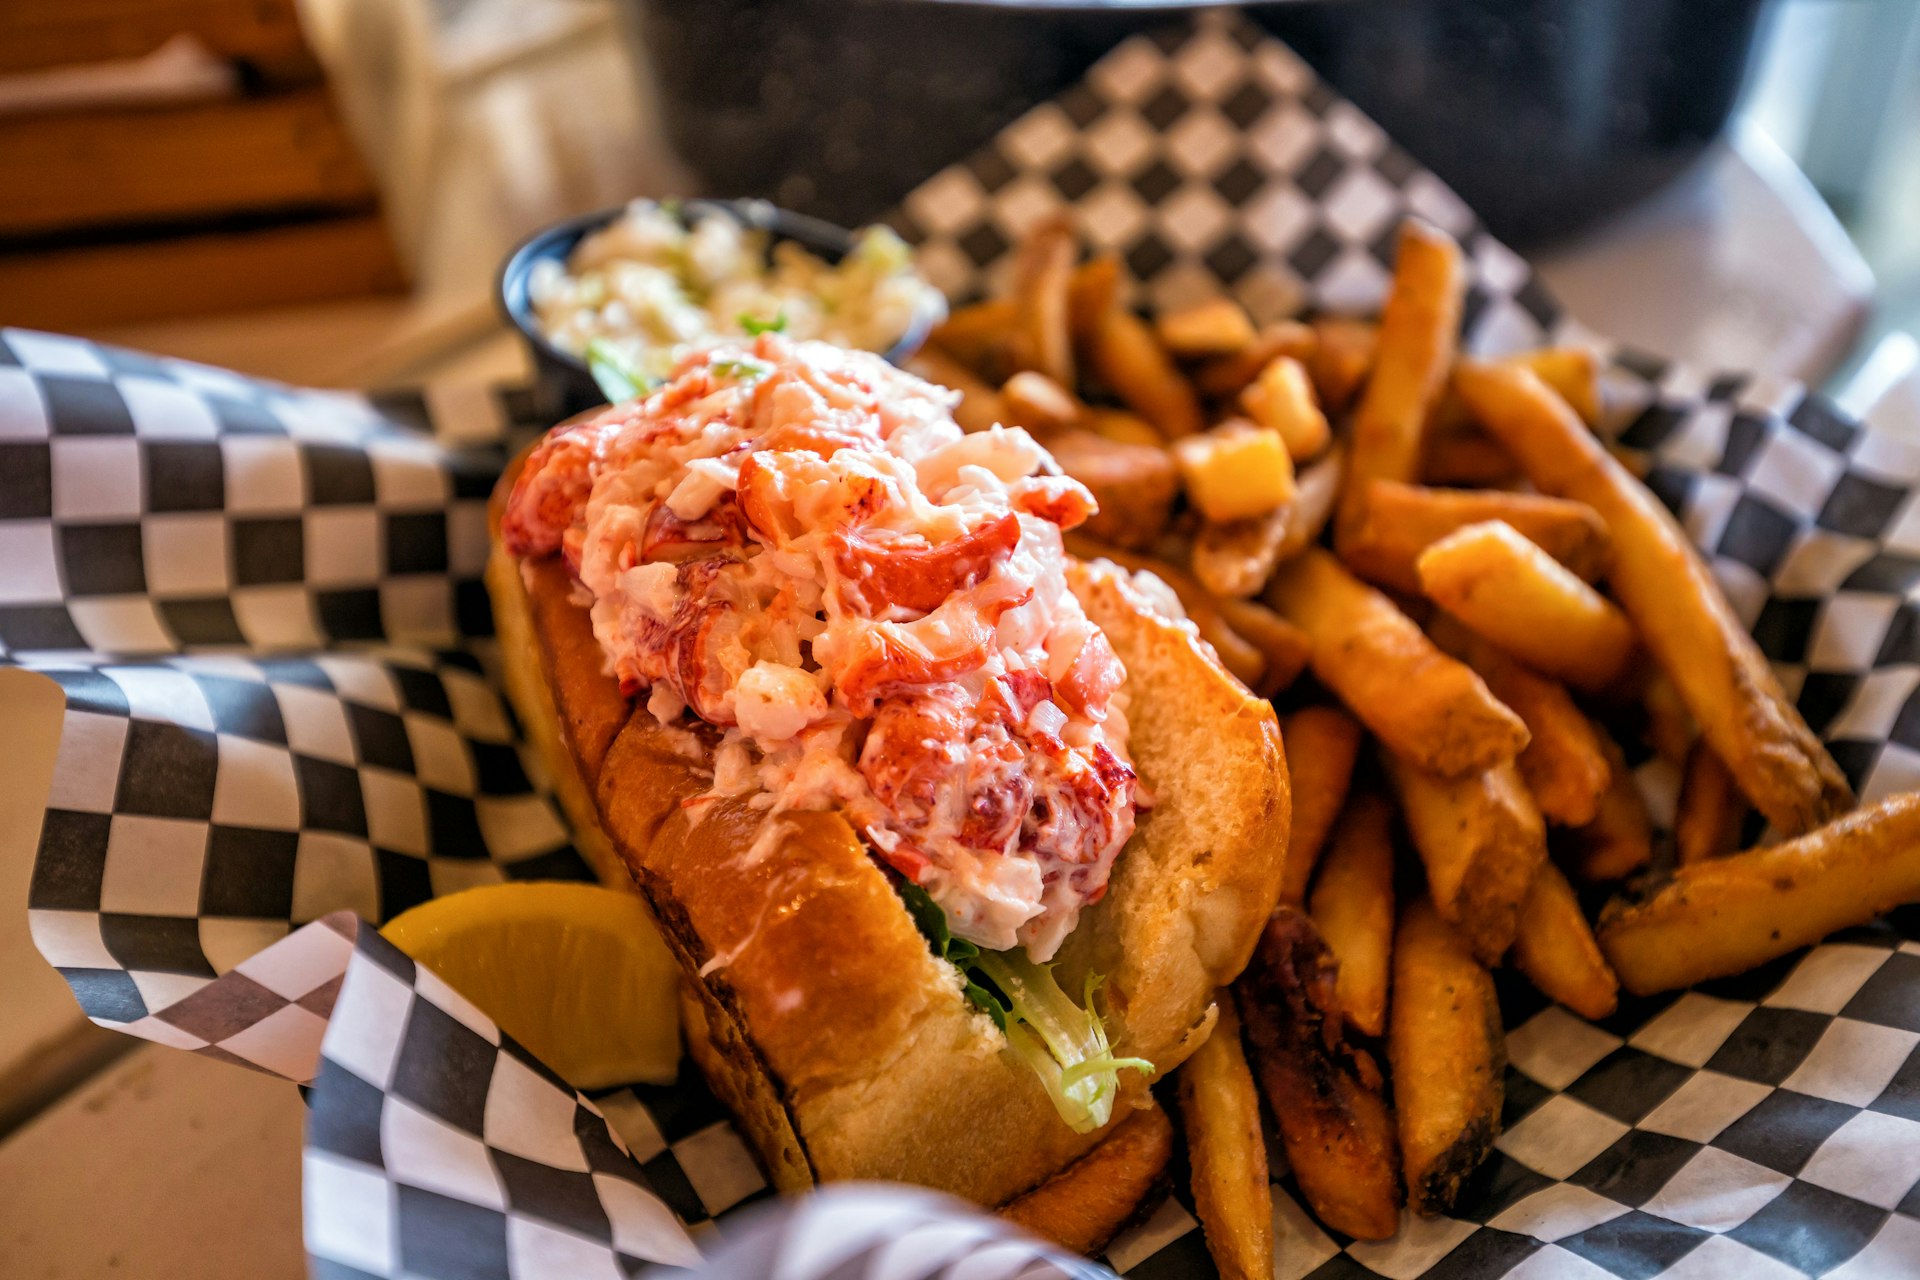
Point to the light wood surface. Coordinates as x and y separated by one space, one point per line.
165 1166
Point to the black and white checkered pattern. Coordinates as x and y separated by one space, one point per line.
156 505
438 1147
1763 1125
205 805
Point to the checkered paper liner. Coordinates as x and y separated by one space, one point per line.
295 719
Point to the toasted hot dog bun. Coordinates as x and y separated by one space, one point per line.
815 1007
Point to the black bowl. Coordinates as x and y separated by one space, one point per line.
562 384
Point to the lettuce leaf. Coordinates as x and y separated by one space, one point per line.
618 381
1063 1043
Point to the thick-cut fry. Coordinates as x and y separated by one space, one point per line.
1565 764
980 405
1122 426
1510 591
1471 459
1322 744
1316 488
1423 705
1353 908
1134 484
1399 521
1340 359
1216 327
1042 268
1556 949
979 334
1282 398
1038 403
1235 559
1285 646
1727 915
1236 471
1081 1207
1481 840
1619 840
1419 329
1670 729
1706 821
1325 1092
1448 1056
1236 653
1572 372
1092 291
1131 360
1220 1110
1227 376
1682 617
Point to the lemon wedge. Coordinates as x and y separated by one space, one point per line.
576 973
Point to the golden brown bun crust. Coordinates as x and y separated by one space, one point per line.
821 998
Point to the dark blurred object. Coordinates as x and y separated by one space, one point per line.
122 208
1546 115
563 385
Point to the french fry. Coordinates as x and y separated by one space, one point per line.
1285 646
1316 488
1425 706
1619 840
978 335
1235 471
1341 358
1556 949
1565 764
1220 1110
1448 1055
1216 327
1471 459
1235 559
1682 618
1670 730
1399 521
1092 291
1227 376
1352 906
1134 484
1128 358
1707 818
1038 403
980 405
1322 746
1510 591
1085 1204
1481 840
1042 270
1325 1092
1419 329
1572 372
1726 915
1282 398
1236 653
1122 426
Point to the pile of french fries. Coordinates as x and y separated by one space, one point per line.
1488 601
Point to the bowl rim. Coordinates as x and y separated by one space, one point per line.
557 239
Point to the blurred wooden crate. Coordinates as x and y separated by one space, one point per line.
118 214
